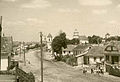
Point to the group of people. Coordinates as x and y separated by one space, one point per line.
97 69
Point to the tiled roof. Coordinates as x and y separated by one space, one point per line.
69 48
82 47
96 51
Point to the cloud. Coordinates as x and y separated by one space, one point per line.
15 22
99 12
37 4
9 0
113 22
69 10
95 2
34 21
118 6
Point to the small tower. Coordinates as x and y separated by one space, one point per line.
76 34
49 42
107 36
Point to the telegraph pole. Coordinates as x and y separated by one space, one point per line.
41 56
20 49
0 39
24 53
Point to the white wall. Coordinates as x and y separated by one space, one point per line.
4 64
91 60
84 41
67 52
80 60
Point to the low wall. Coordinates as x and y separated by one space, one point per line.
113 70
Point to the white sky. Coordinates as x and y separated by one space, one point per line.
24 19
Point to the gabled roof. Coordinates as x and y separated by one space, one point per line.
113 48
81 47
49 35
96 51
69 48
83 37
107 34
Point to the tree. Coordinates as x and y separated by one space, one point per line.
94 39
73 41
57 44
115 38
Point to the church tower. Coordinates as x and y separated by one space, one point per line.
76 34
49 42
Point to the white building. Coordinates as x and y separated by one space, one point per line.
49 42
83 39
68 50
6 50
76 34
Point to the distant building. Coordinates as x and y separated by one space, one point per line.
49 42
76 34
83 40
68 50
107 36
6 50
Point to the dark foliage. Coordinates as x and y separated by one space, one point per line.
94 39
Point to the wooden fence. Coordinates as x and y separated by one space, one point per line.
22 76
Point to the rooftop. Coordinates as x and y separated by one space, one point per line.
69 48
83 37
96 51
49 35
82 47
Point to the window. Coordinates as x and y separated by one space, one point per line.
101 58
114 49
107 58
94 58
69 52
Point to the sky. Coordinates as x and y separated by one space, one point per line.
24 19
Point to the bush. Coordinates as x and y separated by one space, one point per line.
71 60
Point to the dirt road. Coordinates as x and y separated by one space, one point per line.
60 72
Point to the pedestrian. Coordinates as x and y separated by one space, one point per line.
84 70
92 71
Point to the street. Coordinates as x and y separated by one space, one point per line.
59 71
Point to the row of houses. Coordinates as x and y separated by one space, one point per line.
85 53
93 54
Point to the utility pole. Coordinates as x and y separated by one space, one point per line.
20 49
41 56
0 39
24 53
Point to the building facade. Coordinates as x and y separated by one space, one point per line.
68 50
95 55
6 51
49 42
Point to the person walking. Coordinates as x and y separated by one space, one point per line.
84 70
92 71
